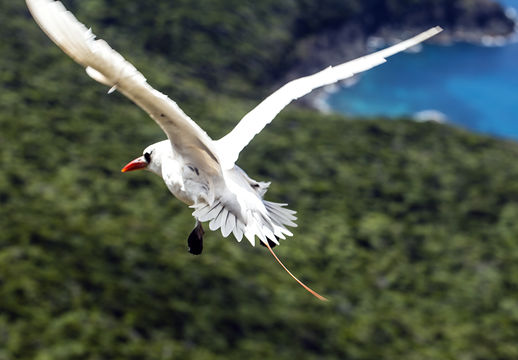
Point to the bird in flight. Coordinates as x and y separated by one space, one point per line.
200 171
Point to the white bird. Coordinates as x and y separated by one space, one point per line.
198 170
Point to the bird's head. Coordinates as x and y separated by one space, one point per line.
151 158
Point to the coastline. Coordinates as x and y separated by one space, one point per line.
350 41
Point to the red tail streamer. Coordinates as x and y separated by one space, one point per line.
314 293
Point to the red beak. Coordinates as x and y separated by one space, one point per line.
138 163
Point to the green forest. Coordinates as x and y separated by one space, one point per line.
409 229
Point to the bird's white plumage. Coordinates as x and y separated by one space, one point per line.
196 169
252 123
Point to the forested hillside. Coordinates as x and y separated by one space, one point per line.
408 228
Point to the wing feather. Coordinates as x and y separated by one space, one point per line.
108 67
229 225
238 231
210 214
252 123
215 223
222 218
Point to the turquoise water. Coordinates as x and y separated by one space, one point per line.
473 86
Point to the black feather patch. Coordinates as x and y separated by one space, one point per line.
271 243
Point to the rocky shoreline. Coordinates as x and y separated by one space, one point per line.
485 23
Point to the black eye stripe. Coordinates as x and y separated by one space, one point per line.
147 156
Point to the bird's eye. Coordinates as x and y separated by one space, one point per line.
147 156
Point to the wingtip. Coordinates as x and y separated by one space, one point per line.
437 29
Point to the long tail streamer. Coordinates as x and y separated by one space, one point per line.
314 293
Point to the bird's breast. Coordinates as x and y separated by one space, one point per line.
187 183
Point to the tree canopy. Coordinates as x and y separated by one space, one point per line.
408 228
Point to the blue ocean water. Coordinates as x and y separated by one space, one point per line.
475 87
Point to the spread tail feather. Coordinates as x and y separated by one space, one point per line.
268 226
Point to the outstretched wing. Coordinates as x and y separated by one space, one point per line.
108 67
252 123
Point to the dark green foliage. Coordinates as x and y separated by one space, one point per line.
409 229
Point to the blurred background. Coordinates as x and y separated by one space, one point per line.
407 225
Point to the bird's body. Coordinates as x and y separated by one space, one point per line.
200 171
228 198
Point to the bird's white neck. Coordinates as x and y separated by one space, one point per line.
160 152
